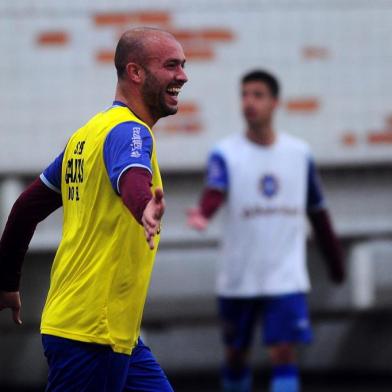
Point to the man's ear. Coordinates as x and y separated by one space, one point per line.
135 72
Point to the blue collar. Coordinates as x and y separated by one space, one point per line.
119 103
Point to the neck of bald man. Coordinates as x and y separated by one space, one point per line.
133 99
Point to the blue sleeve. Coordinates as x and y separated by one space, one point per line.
51 176
315 199
128 144
217 174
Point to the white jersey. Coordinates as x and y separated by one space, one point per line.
264 227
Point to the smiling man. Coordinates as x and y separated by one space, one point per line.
107 179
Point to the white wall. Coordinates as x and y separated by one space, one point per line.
332 57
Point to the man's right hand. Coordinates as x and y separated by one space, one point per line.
11 299
196 219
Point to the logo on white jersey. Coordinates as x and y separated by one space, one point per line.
269 185
303 323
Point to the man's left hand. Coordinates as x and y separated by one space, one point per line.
11 299
152 216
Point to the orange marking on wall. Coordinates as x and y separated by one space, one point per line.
105 56
188 108
154 17
303 105
53 38
187 121
189 127
121 18
315 53
222 35
194 127
185 35
111 19
199 44
199 53
171 128
349 139
380 137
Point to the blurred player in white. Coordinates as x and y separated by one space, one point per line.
267 183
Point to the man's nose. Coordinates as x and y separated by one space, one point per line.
247 106
181 76
247 101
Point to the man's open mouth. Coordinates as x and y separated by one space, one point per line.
173 91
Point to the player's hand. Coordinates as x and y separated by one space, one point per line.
11 300
152 216
196 219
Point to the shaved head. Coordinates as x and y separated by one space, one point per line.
134 47
150 67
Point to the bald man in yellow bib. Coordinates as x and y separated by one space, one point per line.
108 181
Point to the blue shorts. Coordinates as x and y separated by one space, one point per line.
285 319
77 366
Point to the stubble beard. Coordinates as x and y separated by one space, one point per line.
154 97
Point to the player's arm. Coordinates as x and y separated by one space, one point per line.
127 154
213 195
135 190
324 233
37 202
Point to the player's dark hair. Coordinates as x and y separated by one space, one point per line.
265 77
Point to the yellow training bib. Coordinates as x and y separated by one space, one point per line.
103 265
